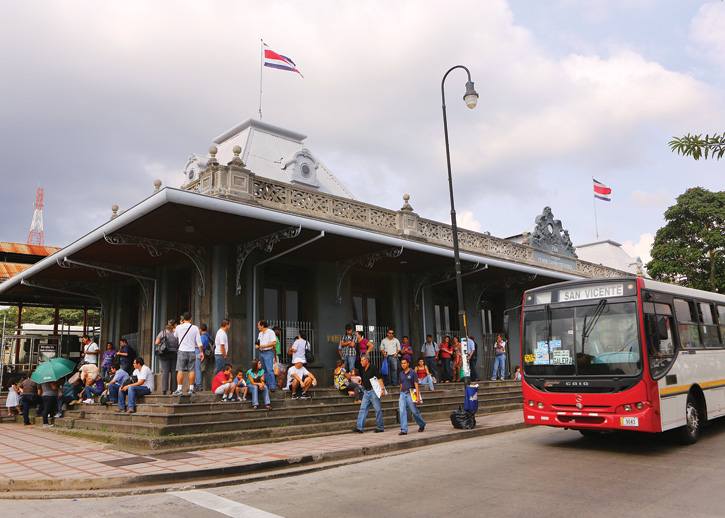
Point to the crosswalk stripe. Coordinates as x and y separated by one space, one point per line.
222 505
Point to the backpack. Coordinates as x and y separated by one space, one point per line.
309 356
209 349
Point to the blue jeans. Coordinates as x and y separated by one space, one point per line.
255 394
427 381
220 362
197 371
113 389
392 370
472 366
27 401
405 402
89 391
267 358
430 362
369 398
349 363
447 369
500 361
133 393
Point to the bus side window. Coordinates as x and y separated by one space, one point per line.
660 346
689 331
721 319
708 328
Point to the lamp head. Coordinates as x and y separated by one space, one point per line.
470 97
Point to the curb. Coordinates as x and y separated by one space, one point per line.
117 486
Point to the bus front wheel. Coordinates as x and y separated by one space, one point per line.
691 431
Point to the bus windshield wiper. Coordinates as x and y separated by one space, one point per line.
589 327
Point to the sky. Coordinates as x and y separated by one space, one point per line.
100 98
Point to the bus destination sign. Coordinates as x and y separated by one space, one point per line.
591 292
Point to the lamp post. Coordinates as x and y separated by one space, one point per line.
470 98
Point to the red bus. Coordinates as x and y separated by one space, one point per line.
623 354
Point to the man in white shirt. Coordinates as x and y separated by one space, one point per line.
390 347
267 343
91 352
301 378
189 339
298 348
142 387
221 345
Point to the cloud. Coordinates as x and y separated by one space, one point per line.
652 200
706 31
642 248
467 220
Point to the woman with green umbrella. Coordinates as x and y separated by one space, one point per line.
47 374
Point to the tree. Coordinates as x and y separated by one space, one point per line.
696 146
689 249
46 316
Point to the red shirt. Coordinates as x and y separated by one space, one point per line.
446 351
219 380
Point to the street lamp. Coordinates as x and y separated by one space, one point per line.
470 98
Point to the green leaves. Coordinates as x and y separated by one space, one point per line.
697 147
690 248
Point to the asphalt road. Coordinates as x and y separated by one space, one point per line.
537 472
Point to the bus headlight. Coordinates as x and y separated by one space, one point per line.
531 402
638 406
627 407
540 405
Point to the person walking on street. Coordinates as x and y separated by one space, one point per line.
347 348
429 352
408 387
189 339
369 375
390 346
267 345
499 350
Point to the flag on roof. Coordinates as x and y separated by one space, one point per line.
601 191
274 60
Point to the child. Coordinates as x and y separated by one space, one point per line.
222 382
357 380
237 383
517 373
13 401
109 356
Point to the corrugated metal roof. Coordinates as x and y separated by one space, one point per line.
7 270
607 253
20 248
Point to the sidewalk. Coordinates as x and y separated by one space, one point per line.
36 459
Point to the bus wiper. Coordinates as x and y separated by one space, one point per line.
589 327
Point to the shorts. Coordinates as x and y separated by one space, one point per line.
186 360
221 388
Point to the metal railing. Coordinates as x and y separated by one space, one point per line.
288 334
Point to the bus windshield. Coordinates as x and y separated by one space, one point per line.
593 340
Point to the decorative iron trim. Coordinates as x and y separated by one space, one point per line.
155 247
266 244
367 260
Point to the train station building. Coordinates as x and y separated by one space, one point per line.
260 228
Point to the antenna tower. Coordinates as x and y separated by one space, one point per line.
35 236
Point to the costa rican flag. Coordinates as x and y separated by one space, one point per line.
601 191
274 60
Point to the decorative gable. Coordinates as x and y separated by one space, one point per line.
302 168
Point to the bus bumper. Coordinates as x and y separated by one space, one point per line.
643 420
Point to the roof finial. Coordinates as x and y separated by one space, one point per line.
406 206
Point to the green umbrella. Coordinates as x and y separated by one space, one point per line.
52 370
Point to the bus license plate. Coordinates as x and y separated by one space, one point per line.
630 421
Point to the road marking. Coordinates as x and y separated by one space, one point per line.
222 505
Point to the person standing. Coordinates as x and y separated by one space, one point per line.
167 359
390 346
429 352
457 358
348 348
267 345
125 355
472 358
109 358
30 395
221 345
298 349
499 350
199 355
91 351
189 339
364 346
50 401
369 375
445 350
408 386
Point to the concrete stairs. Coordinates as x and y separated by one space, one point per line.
164 424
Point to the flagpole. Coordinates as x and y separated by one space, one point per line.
261 68
596 225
